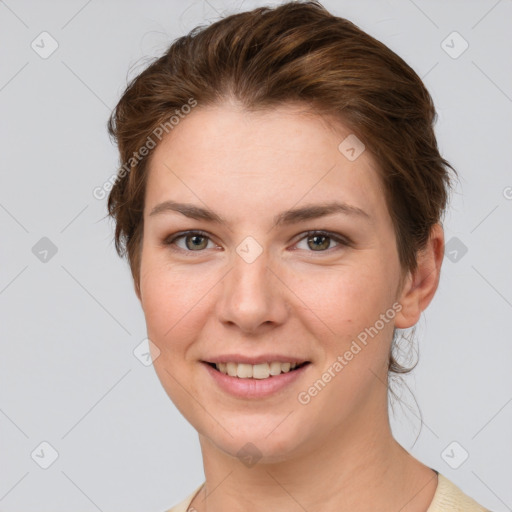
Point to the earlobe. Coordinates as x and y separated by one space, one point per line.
419 287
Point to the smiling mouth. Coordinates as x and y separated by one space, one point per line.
257 371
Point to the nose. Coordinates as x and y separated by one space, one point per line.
253 296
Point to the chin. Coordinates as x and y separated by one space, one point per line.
260 443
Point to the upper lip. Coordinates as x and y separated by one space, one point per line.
262 358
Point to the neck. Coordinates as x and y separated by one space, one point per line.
353 468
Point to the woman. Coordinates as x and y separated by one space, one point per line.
280 204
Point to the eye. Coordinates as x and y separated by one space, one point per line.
319 241
194 241
197 241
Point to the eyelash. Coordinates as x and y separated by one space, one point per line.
169 241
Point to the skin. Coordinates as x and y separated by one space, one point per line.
335 453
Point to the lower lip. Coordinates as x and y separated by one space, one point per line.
254 388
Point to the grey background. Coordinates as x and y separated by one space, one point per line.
70 323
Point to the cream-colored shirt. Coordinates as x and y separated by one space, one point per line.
448 498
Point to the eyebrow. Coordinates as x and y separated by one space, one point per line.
287 217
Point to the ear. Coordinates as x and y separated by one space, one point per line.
419 287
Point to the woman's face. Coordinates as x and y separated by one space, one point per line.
250 287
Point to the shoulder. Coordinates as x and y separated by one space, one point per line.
449 498
183 505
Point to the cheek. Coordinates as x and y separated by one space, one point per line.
346 298
171 304
176 306
348 303
167 291
165 299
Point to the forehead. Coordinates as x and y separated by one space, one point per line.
284 155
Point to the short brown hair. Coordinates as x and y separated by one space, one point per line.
297 52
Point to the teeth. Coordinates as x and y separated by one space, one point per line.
254 371
244 371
